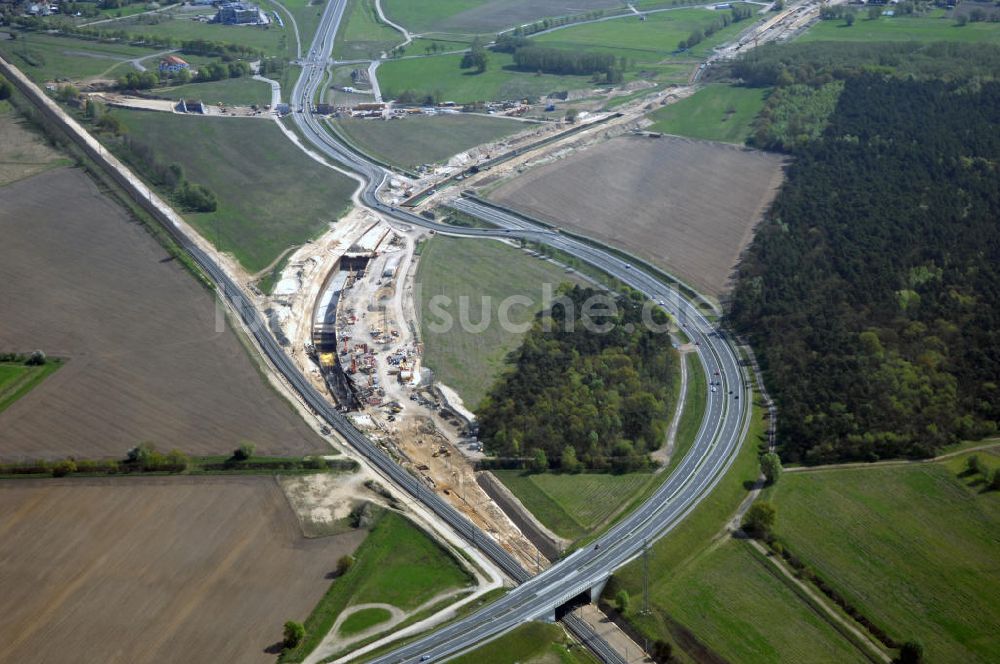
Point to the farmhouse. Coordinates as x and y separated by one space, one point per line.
239 13
172 64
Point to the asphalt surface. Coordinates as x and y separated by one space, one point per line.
722 430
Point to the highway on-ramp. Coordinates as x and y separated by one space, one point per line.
724 426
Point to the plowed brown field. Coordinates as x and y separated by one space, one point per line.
146 361
687 206
135 570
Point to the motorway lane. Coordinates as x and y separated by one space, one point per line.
722 429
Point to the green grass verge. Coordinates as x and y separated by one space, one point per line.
460 612
454 268
230 92
417 140
694 409
573 506
362 34
397 564
421 46
903 28
16 380
913 547
364 619
716 113
441 74
196 465
235 158
531 642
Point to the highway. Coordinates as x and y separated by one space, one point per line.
723 428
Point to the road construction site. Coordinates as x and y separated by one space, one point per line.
344 306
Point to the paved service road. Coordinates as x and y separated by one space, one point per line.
722 430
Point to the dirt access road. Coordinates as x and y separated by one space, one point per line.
135 570
146 361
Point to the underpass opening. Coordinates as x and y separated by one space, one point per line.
572 604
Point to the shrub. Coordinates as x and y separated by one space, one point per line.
293 634
63 468
244 452
36 359
759 520
344 565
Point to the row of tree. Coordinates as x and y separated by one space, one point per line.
576 397
192 196
736 14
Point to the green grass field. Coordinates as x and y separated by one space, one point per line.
530 643
425 139
716 113
646 41
233 91
271 195
904 28
469 362
362 34
736 607
442 74
307 15
397 564
573 506
44 57
427 15
271 39
16 380
914 547
364 619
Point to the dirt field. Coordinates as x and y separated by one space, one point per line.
154 570
687 206
23 153
79 280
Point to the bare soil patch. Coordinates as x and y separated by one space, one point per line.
154 570
146 360
687 206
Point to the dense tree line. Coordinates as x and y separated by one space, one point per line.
871 291
564 61
818 63
807 82
575 397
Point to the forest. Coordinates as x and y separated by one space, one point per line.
575 398
807 82
872 289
